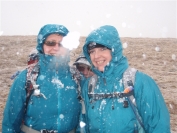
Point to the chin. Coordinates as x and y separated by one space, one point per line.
101 69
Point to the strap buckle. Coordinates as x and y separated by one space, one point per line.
48 131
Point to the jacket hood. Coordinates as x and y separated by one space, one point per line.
107 36
82 60
46 30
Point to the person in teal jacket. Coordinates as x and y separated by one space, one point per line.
103 49
53 106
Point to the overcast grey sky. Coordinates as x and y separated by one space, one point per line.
132 18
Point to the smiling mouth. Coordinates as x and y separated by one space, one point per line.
99 62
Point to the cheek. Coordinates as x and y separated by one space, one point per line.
91 58
109 57
93 62
46 49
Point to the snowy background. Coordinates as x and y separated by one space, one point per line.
155 56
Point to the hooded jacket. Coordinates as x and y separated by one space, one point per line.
60 110
100 116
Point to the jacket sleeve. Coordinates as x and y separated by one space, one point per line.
14 109
151 105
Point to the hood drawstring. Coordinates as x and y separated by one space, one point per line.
36 89
104 80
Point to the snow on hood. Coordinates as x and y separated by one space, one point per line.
107 36
46 30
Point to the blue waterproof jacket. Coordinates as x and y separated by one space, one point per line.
60 111
100 116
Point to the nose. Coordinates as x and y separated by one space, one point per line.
96 54
85 72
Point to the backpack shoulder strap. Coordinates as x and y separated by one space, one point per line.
77 78
92 83
31 76
128 81
129 76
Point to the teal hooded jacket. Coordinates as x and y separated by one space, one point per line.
100 116
60 110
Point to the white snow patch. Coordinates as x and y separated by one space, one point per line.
82 124
57 82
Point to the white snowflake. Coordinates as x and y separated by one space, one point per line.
103 103
121 100
157 49
70 87
82 124
61 116
57 82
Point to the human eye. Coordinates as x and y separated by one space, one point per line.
91 51
50 43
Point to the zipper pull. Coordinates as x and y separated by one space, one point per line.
136 128
104 80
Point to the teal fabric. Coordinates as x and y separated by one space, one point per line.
48 29
60 111
100 117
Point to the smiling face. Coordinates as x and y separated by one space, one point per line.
100 57
52 45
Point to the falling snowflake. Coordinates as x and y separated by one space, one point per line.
144 56
173 56
157 49
125 45
61 116
41 77
171 106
